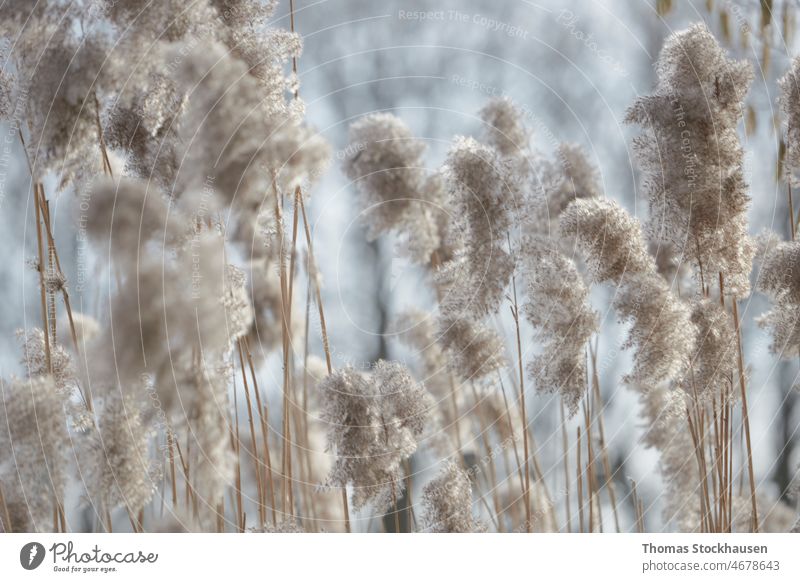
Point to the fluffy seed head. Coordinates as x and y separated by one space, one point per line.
448 503
790 106
484 189
714 359
780 280
558 308
35 433
505 130
692 156
122 473
661 332
386 164
374 422
610 238
474 349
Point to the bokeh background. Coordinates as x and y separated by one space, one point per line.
573 67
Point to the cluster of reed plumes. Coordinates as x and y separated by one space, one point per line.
191 165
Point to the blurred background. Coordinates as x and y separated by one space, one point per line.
573 67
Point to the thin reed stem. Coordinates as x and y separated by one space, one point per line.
40 269
263 413
580 483
323 330
7 525
565 464
527 482
287 501
599 407
745 414
262 518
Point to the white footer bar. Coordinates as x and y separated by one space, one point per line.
404 558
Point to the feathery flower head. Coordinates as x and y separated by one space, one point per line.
428 235
692 156
122 473
780 273
125 214
417 329
7 86
61 82
779 279
208 423
164 20
386 164
165 309
615 250
474 349
662 331
237 303
664 414
375 422
505 130
610 238
558 308
34 359
714 360
790 106
484 188
447 500
35 429
142 123
579 178
222 127
695 66
568 176
287 526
